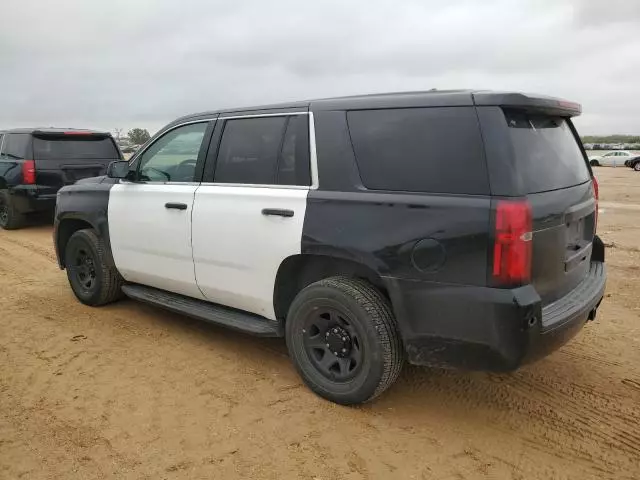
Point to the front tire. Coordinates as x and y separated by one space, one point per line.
343 340
10 218
594 163
93 282
636 166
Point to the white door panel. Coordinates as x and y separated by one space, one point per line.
237 250
152 244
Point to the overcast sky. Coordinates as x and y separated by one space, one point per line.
127 63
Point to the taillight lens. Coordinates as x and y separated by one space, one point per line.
29 172
596 192
512 249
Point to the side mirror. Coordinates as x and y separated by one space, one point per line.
119 169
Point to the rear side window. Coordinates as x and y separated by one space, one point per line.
435 150
293 163
547 153
16 145
83 147
264 151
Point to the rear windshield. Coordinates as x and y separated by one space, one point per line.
547 153
89 147
434 150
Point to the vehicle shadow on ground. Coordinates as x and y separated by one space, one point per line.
417 388
40 219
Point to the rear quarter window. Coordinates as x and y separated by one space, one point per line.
547 153
16 146
432 150
98 147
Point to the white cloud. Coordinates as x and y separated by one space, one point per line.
121 63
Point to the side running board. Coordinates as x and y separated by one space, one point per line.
209 312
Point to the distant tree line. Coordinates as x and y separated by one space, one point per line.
611 139
138 136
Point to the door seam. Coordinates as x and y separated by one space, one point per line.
193 260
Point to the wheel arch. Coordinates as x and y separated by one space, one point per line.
67 225
298 271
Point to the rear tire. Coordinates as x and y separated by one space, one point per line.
10 218
93 282
636 166
343 340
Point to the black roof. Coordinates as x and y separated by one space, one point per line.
428 98
51 130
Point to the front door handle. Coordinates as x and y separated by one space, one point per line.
278 212
176 206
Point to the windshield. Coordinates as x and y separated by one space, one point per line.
547 153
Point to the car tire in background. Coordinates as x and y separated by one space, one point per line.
93 282
10 218
594 163
343 340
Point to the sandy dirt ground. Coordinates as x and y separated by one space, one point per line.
131 392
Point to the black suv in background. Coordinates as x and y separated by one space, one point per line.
451 228
36 163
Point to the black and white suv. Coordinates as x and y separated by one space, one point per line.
452 228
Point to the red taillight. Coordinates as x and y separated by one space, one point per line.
596 193
29 172
512 249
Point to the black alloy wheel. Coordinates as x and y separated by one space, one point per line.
82 266
4 212
343 340
93 280
10 218
332 343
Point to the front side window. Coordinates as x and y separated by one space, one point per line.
173 157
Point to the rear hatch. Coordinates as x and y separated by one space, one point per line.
62 158
557 183
534 156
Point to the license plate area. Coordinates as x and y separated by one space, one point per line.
574 235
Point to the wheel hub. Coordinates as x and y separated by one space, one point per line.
85 270
4 212
338 341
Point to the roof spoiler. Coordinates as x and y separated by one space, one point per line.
534 103
69 133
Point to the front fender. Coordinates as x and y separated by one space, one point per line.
82 206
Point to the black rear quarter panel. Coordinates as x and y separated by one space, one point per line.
434 240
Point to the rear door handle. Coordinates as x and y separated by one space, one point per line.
176 206
277 212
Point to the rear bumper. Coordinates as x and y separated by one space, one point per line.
479 328
27 199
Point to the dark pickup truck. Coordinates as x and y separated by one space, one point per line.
36 163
